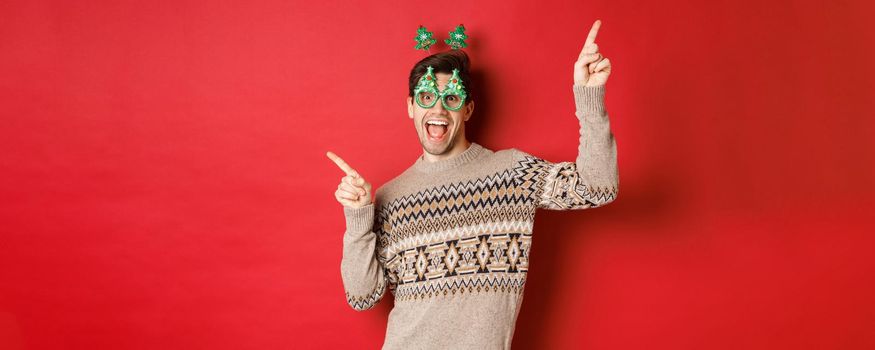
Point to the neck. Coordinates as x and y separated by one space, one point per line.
458 148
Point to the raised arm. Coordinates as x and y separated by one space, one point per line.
363 272
592 180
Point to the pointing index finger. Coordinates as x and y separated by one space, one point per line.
593 32
342 164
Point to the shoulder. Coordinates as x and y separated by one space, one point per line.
520 162
507 153
518 155
391 188
508 158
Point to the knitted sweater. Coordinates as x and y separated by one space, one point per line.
451 239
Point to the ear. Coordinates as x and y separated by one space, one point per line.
469 110
410 107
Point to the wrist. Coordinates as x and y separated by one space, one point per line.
359 219
589 100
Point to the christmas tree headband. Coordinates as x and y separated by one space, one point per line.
425 39
426 93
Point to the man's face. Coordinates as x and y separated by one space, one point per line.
439 139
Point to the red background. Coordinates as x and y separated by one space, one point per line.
165 184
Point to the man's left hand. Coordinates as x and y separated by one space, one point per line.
591 68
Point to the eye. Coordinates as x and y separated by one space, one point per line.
425 97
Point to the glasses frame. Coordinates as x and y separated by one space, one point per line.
428 83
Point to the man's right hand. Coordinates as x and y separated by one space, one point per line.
353 191
591 68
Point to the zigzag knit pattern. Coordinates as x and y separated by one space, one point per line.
361 303
452 286
558 185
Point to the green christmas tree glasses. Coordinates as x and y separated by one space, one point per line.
426 93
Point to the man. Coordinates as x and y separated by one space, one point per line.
451 235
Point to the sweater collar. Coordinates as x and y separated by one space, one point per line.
473 151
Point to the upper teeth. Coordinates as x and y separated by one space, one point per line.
437 122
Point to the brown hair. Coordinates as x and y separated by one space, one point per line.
444 62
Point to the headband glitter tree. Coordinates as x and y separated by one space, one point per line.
457 38
423 39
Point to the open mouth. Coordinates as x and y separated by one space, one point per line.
437 130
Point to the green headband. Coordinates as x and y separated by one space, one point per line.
425 39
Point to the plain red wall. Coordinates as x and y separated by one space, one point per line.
165 185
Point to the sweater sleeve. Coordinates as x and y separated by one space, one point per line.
363 272
592 180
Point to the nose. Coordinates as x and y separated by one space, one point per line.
438 107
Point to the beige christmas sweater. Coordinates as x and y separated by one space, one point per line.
451 239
